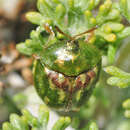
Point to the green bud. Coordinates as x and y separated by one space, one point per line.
93 21
107 29
60 11
102 9
88 14
92 40
108 4
71 3
114 27
60 36
91 4
110 37
113 14
29 43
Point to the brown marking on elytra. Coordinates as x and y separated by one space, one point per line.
54 77
88 78
71 84
78 83
66 84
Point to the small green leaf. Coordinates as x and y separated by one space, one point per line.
43 116
115 27
111 54
21 47
20 100
30 118
124 33
45 9
91 126
125 9
18 123
120 78
112 70
62 123
120 82
35 17
60 11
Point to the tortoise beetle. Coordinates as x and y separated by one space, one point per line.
66 72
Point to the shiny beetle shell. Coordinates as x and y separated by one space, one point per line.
66 73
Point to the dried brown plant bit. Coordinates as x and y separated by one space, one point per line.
2 68
11 10
27 75
1 84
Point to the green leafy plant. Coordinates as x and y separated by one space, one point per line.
119 78
74 17
27 121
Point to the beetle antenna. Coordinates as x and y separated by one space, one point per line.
58 29
88 31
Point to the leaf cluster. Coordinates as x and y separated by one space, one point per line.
74 17
120 79
27 121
